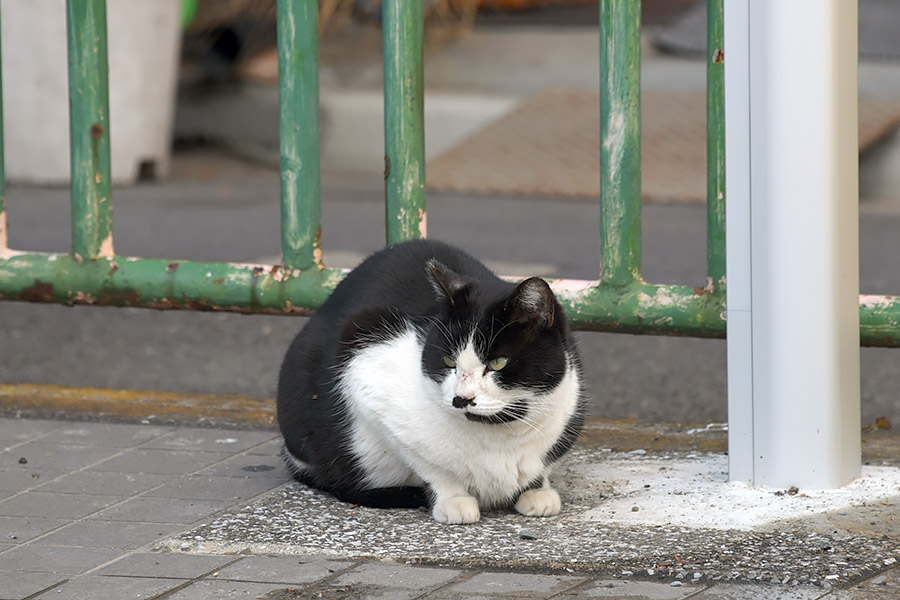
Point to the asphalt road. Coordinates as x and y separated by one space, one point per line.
650 378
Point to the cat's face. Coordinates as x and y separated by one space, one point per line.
492 356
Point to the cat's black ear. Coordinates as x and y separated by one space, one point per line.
448 285
533 302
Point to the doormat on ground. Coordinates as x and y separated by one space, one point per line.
550 146
670 515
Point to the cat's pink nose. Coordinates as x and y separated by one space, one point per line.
460 402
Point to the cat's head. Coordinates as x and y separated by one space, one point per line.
493 351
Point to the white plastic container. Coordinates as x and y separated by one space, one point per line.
144 41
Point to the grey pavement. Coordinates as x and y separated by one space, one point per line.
100 510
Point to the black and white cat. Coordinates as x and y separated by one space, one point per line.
424 379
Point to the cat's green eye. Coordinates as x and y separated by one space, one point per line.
497 363
449 362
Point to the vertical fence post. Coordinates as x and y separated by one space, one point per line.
793 279
715 146
298 96
404 131
620 141
89 123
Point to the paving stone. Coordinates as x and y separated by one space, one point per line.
16 431
632 590
105 482
887 581
55 506
727 591
162 510
16 530
516 583
282 569
21 478
270 448
54 559
397 576
164 564
151 460
116 435
45 457
109 534
225 590
17 585
203 487
249 465
93 587
210 440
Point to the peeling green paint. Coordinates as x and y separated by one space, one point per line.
89 128
298 76
404 114
715 145
620 141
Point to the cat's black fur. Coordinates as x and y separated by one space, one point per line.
443 293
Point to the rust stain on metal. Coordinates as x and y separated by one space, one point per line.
257 271
39 292
172 266
96 130
719 56
219 281
113 267
387 167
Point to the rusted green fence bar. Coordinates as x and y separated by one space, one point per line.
404 130
163 284
715 146
89 126
620 141
298 78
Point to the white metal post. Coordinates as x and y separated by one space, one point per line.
792 242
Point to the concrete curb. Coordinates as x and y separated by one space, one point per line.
243 412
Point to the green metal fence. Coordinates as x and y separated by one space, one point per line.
618 301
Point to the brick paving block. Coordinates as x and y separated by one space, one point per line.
889 581
92 587
141 460
632 590
162 510
166 565
728 591
16 530
54 559
226 590
55 506
105 482
18 585
538 586
116 435
249 465
282 569
270 448
204 487
16 431
19 478
109 534
397 576
44 457
211 440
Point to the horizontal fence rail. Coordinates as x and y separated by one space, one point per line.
619 300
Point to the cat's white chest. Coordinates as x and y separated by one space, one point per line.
403 430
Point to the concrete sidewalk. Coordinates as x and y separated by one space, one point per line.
117 510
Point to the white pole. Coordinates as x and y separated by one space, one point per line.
792 230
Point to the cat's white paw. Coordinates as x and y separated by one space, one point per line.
542 502
458 509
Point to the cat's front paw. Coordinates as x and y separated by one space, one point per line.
542 502
458 509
